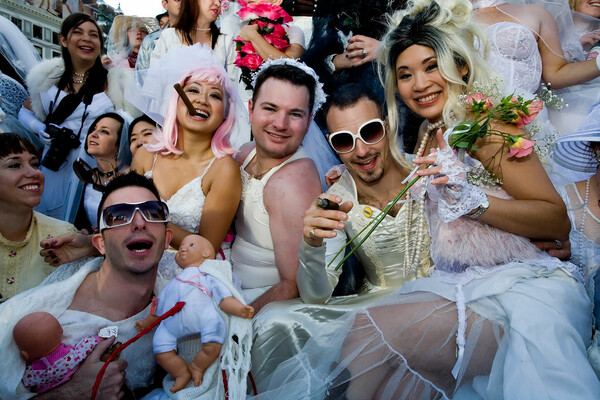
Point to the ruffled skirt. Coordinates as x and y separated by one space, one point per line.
517 332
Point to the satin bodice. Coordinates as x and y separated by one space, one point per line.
382 255
514 55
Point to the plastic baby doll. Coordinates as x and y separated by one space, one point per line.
49 362
199 314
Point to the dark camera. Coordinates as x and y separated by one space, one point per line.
63 141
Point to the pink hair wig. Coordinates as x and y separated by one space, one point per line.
220 145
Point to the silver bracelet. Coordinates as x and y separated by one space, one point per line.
329 63
483 207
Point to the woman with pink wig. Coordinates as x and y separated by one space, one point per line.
192 164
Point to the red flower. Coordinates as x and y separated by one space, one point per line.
277 41
248 48
252 61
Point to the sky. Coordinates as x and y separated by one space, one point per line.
141 8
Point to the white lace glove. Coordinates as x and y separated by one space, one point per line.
457 197
30 121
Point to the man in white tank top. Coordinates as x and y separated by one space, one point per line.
279 183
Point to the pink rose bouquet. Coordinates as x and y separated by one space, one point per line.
511 110
270 19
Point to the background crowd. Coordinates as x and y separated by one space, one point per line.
229 120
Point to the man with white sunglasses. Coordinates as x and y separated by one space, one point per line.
398 250
113 291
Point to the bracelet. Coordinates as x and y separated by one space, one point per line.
483 207
330 65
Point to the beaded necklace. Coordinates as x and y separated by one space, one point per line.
412 254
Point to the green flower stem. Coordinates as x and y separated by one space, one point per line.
373 224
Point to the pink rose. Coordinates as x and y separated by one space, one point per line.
478 99
529 113
248 48
238 60
252 61
277 41
521 148
279 30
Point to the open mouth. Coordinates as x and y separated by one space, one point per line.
428 99
276 136
92 143
31 187
86 49
366 164
202 114
139 246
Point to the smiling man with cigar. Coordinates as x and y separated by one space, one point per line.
398 250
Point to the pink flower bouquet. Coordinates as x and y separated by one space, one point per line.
511 110
270 19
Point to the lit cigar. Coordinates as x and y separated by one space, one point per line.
185 99
326 204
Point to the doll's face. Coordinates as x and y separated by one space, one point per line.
193 250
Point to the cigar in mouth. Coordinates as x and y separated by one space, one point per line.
185 99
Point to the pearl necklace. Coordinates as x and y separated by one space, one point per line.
202 29
430 128
412 258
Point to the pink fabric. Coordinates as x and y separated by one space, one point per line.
58 367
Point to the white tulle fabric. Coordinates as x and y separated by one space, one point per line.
457 197
521 328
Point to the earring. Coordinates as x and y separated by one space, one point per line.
597 154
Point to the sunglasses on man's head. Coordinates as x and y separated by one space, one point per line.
371 132
123 213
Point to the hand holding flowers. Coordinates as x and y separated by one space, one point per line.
267 20
511 110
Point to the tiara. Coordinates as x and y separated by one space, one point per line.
319 92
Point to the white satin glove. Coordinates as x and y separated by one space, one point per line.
30 121
457 197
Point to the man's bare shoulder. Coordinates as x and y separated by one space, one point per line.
293 182
241 155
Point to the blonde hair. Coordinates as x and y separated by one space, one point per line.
446 27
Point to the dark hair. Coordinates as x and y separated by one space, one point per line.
287 73
141 118
348 95
131 178
112 115
161 16
188 15
13 143
95 82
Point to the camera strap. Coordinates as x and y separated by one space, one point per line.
87 100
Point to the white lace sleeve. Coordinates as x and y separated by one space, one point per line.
457 197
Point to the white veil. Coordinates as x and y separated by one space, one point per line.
151 89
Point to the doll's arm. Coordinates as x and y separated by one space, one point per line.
233 306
